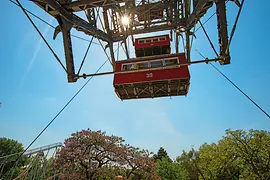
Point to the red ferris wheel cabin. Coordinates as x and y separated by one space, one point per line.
151 77
152 46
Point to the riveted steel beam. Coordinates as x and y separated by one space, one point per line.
65 29
200 9
85 4
223 31
55 9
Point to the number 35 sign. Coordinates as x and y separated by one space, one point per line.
149 75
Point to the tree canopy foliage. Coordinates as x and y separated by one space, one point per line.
93 155
238 155
9 151
162 154
168 170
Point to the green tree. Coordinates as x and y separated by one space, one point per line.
189 160
216 161
238 155
253 149
171 170
9 151
162 154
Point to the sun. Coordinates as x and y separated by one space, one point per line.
125 20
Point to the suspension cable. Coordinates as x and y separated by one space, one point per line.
84 39
208 38
234 26
87 50
105 52
50 25
59 113
193 34
117 51
208 19
241 91
39 18
259 107
205 22
32 22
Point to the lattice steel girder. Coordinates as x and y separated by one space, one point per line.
90 14
65 28
150 29
223 31
31 152
55 9
172 18
187 7
85 4
199 10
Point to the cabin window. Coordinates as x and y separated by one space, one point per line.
156 64
125 67
129 67
155 40
141 41
171 62
148 40
142 65
162 38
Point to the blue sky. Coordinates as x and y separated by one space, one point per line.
33 88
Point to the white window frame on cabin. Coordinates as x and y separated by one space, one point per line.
136 65
149 65
143 41
171 66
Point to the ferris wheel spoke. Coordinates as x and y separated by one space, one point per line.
112 63
87 50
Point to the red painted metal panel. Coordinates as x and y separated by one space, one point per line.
152 44
181 72
152 75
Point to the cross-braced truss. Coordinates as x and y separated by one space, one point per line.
145 16
37 166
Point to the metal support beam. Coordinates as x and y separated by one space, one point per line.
84 4
30 152
126 48
91 17
107 27
223 31
187 15
157 28
148 69
65 28
41 149
188 46
187 8
112 53
76 21
177 42
200 9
